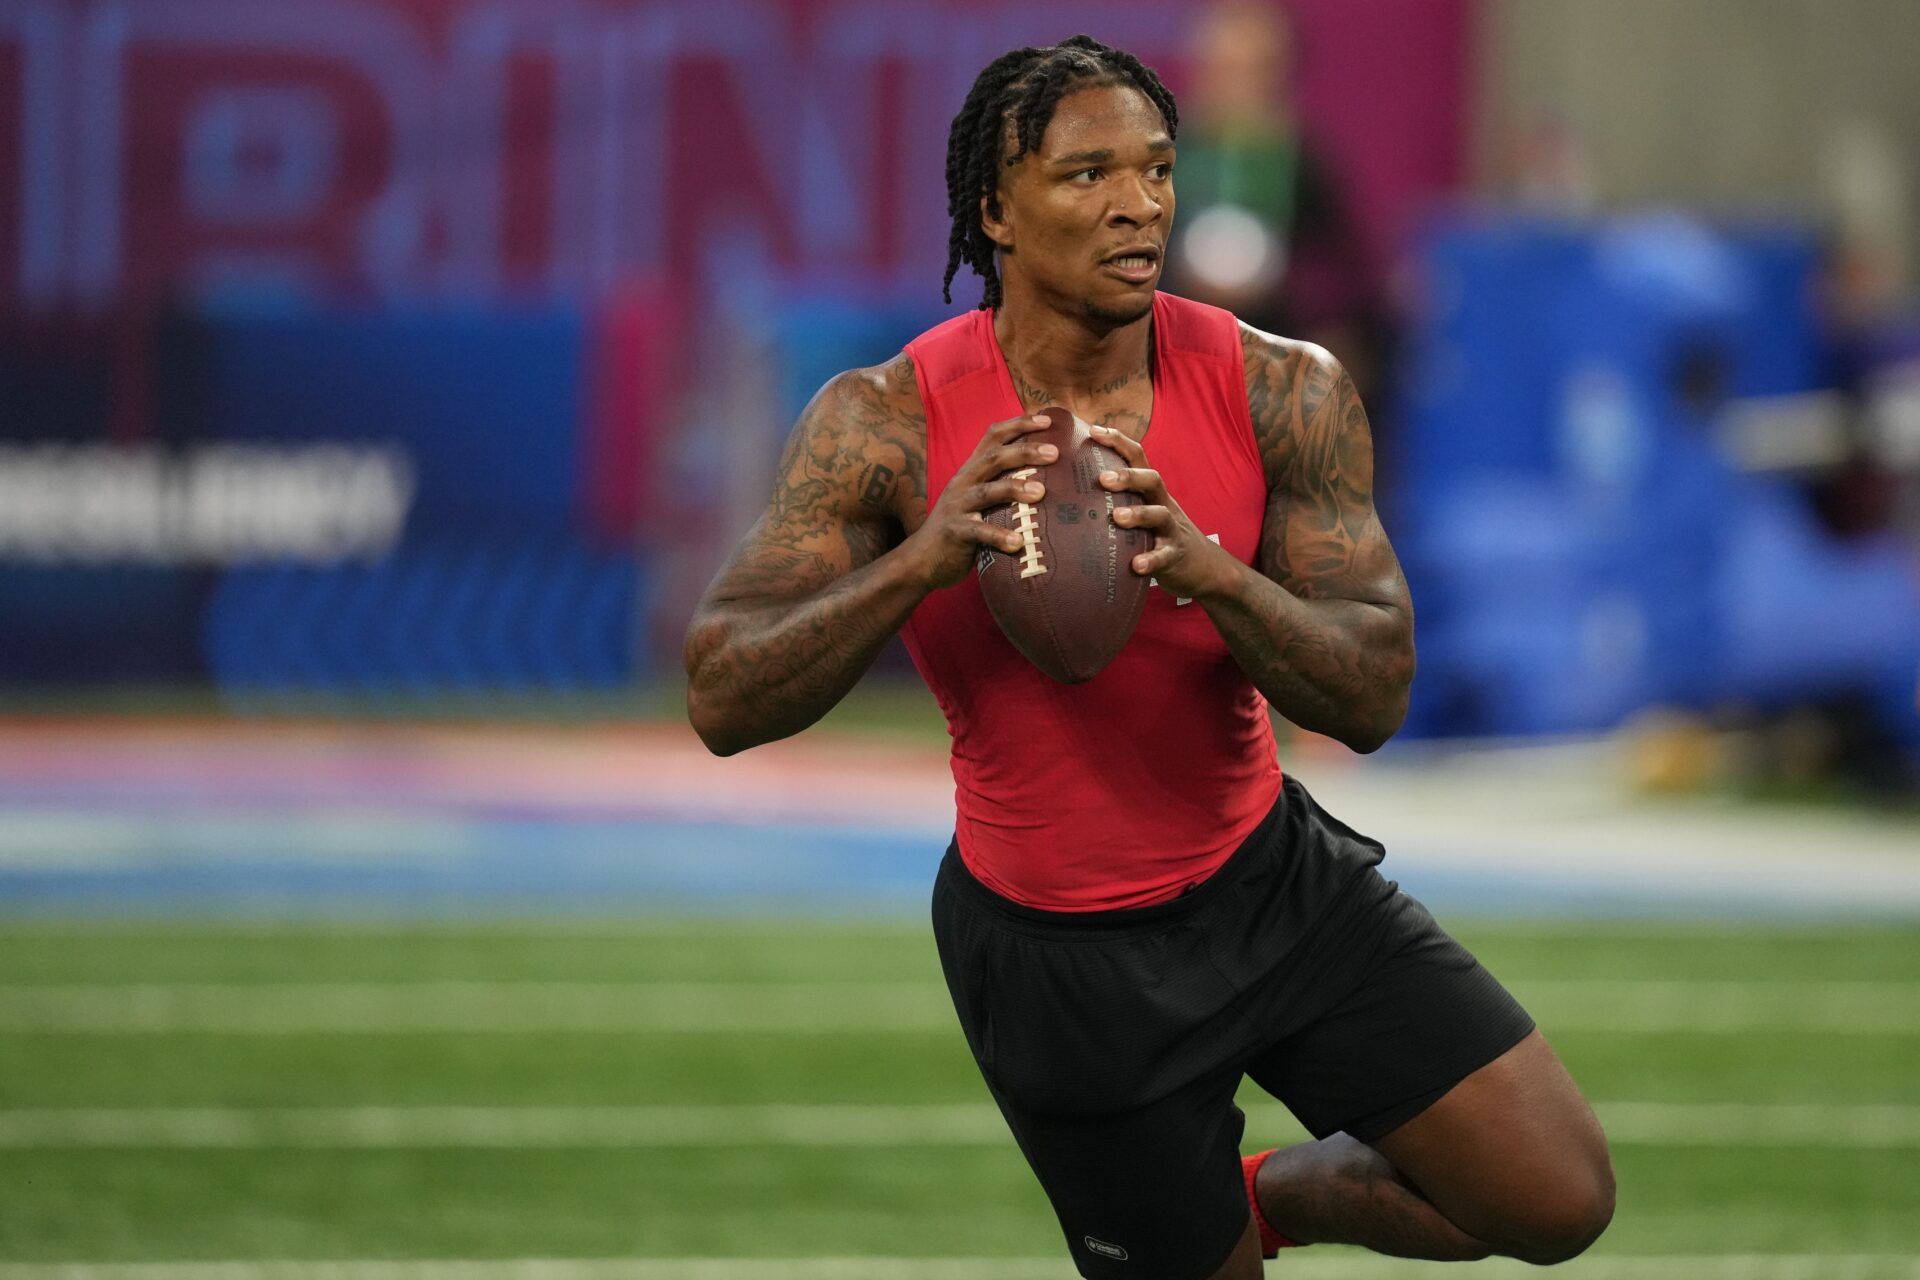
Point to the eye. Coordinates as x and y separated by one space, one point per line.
1163 170
1084 173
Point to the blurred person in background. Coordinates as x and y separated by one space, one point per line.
1867 297
1865 490
1268 233
1137 908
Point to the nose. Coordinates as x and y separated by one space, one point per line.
1136 204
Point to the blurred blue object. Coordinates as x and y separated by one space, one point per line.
1481 378
820 334
1530 618
74 624
1806 616
489 404
1578 546
437 617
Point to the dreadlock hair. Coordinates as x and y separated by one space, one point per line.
1021 89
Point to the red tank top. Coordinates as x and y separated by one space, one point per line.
1126 789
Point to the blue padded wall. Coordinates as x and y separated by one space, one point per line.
1577 546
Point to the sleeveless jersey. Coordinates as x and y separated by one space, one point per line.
1127 789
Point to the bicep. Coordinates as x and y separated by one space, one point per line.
825 517
1323 538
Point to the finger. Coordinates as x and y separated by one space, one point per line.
998 493
1148 563
1001 450
1013 457
1143 480
1129 449
1013 429
992 535
1150 516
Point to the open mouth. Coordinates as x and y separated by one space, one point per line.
1136 265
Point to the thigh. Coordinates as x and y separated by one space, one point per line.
1408 1014
1156 1191
1511 1155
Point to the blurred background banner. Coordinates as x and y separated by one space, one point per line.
505 149
346 337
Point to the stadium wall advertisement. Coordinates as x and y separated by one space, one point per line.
339 339
478 148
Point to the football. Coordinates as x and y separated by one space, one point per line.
1069 598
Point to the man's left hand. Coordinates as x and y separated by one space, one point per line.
1183 560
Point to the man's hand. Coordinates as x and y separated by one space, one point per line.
1183 560
945 546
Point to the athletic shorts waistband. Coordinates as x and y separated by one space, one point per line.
1122 921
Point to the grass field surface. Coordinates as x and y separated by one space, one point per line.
692 1099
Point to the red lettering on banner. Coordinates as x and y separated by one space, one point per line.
255 165
227 139
528 215
725 154
533 94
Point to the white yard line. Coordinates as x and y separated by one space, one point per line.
1312 1264
340 1008
1836 1008
1668 1124
1830 1008
1661 1124
509 1127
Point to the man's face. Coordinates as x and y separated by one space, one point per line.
1085 218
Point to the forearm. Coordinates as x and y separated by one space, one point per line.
1338 667
760 671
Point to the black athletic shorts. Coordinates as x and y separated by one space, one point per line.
1114 1041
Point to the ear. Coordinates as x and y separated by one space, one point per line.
998 229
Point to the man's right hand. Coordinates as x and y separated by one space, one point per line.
955 530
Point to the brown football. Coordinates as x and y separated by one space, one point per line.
1070 598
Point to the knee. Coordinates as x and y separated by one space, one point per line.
1561 1219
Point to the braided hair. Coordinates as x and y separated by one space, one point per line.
1020 90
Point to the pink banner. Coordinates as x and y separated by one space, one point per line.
510 148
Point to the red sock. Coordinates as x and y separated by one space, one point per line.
1271 1241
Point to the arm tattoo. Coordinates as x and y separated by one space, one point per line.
801 611
1322 535
876 487
1325 630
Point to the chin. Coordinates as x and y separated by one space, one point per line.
1119 313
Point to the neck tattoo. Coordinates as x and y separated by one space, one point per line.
1039 396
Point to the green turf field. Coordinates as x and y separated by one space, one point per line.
689 1089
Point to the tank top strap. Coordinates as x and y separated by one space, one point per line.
1203 364
963 388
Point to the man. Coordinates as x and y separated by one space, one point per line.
1137 909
